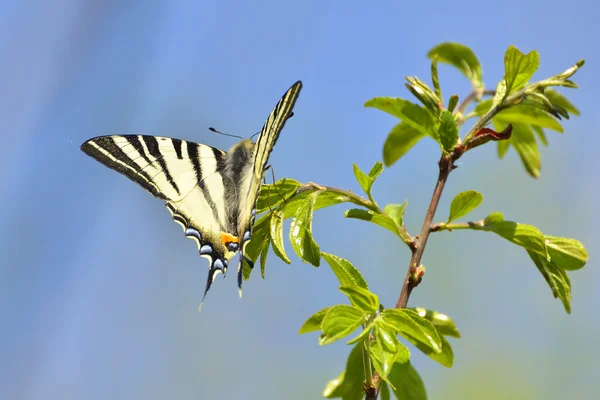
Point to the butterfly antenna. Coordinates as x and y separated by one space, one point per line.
222 133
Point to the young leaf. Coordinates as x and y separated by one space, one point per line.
396 212
384 391
406 382
399 141
493 218
341 320
371 216
461 57
277 235
380 352
524 143
263 256
448 131
463 203
361 298
365 332
258 243
412 114
364 180
443 323
346 273
556 277
376 170
300 232
408 322
503 146
539 131
313 323
519 68
349 384
560 100
527 236
272 195
528 115
566 253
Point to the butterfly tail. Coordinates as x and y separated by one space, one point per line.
217 266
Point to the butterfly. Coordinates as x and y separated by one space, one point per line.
212 194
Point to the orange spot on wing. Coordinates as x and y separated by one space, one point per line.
227 238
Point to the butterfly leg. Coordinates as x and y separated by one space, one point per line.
274 186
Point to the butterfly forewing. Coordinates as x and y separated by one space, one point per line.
262 149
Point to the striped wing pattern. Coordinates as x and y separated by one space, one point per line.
188 176
262 149
194 182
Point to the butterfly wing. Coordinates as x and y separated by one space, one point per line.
188 177
262 149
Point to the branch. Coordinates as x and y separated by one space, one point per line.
411 280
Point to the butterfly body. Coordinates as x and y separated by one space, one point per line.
211 193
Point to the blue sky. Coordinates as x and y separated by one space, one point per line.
99 289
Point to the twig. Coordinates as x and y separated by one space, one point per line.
446 165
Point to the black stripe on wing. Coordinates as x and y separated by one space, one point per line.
193 152
273 126
105 150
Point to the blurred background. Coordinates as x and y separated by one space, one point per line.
99 288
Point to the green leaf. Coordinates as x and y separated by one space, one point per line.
424 94
444 357
561 101
412 114
448 131
340 321
376 170
313 323
569 254
263 257
361 298
349 384
346 273
371 216
442 322
399 141
461 57
436 81
271 196
519 68
384 391
452 102
524 143
483 107
364 333
277 235
407 382
503 146
539 131
364 180
259 242
528 115
463 203
408 322
300 232
324 199
380 351
493 218
527 236
556 278
396 212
